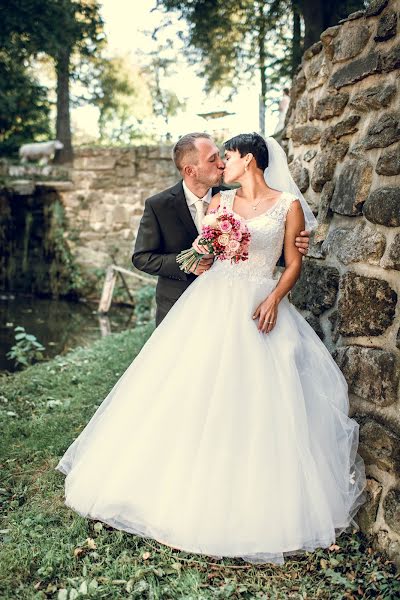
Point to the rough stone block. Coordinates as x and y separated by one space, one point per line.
383 206
345 127
379 445
359 244
324 168
324 211
302 110
391 507
366 305
352 188
393 259
389 162
351 40
307 134
373 98
371 373
384 132
367 514
329 106
387 27
300 175
356 70
315 323
298 85
95 163
309 155
316 71
391 60
316 290
376 7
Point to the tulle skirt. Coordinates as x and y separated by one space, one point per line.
221 440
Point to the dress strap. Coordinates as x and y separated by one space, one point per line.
227 197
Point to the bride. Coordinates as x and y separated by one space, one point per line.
229 433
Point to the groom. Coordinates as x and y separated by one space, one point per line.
172 219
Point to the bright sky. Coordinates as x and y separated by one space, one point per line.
125 24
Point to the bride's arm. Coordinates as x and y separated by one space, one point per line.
267 311
293 259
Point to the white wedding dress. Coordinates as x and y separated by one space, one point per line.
219 439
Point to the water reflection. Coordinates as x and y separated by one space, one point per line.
58 324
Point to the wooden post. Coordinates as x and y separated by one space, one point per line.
108 289
109 285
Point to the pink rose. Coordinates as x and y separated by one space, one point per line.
223 239
233 245
236 235
225 226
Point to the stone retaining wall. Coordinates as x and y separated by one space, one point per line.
105 204
343 135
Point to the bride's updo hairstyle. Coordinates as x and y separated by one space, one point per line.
250 142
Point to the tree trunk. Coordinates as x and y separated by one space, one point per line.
313 15
318 15
63 123
297 50
261 66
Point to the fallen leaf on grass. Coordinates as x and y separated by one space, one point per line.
323 563
211 575
334 547
146 555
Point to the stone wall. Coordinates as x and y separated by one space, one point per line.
342 135
105 203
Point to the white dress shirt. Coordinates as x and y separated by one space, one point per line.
193 202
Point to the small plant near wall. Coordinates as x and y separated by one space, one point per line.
144 304
26 350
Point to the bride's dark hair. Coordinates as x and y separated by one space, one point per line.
250 142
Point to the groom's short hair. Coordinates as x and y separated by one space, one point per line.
187 145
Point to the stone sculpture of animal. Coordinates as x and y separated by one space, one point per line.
42 151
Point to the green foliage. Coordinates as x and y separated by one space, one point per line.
232 41
123 97
165 102
48 551
65 275
62 29
144 304
26 349
24 107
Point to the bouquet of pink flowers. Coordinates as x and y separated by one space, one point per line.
224 234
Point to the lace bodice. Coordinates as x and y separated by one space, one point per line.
267 235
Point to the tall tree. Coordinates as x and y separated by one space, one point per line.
63 29
24 108
159 67
123 97
234 40
77 32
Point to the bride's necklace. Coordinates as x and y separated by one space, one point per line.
254 206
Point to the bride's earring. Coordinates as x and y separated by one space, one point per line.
245 168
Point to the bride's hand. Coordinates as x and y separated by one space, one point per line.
267 313
200 248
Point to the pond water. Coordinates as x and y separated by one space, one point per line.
59 325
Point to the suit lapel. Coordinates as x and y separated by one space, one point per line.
182 210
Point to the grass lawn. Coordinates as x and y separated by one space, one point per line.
47 551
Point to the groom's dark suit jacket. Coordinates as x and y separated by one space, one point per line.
165 229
